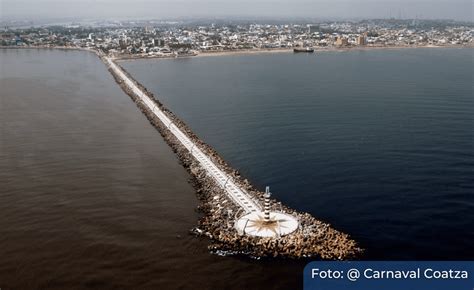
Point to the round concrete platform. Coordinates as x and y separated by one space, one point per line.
254 224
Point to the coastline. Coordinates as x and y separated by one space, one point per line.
125 57
282 50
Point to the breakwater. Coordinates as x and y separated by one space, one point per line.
225 197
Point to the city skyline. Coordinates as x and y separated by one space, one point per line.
460 10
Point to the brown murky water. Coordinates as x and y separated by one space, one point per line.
92 197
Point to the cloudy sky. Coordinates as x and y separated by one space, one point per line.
167 9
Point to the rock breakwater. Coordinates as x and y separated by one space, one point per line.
313 238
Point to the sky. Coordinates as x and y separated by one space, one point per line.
171 9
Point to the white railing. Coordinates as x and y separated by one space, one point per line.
233 191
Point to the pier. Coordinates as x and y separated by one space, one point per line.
255 222
238 218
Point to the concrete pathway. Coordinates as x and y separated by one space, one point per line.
236 194
253 221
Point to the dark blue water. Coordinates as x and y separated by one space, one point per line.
379 143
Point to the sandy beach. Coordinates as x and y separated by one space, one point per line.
280 50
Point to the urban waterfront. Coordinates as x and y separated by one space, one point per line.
92 196
248 145
138 39
378 143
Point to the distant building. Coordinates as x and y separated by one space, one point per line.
342 41
158 42
123 43
361 39
148 29
313 28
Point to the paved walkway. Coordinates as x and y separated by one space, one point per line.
233 191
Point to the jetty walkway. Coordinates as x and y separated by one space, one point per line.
256 220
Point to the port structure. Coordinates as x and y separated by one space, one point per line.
266 224
255 221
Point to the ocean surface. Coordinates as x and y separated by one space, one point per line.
91 197
379 143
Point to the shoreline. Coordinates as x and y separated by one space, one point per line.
282 50
239 52
318 49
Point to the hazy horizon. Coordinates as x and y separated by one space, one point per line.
460 10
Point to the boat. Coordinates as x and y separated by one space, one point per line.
303 49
